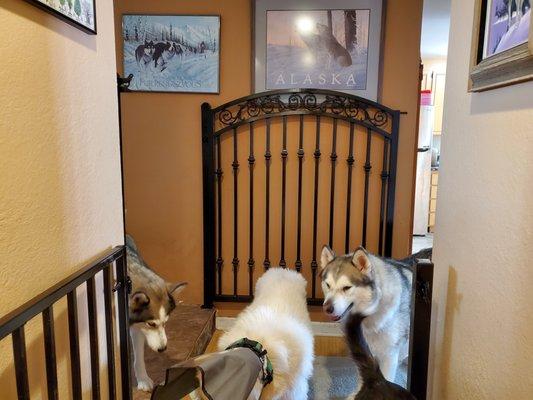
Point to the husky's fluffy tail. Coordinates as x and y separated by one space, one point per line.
373 385
368 367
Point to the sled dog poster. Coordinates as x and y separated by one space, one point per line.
172 53
318 44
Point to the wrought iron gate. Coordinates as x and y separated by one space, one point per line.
316 116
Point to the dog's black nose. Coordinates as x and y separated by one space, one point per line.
328 309
162 349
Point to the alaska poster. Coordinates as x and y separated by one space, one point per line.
508 25
172 53
326 49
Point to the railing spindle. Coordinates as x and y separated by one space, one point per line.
110 337
268 156
50 353
21 363
92 310
333 158
251 261
367 167
284 154
123 318
219 173
384 178
235 166
74 340
298 263
350 161
316 155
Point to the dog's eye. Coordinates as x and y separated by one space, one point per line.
346 288
151 324
327 285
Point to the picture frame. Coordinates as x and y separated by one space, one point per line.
291 34
168 53
80 14
502 45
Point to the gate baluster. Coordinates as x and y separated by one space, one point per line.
298 263
284 154
350 161
251 261
235 165
384 178
333 158
316 155
268 156
219 173
367 167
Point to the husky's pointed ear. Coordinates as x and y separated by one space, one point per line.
139 301
361 260
175 288
326 257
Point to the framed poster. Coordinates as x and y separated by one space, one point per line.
172 53
322 44
78 13
502 44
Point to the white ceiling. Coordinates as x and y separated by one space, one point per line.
435 28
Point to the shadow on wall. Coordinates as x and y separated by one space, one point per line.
453 305
508 98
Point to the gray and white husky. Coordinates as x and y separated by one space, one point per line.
378 289
150 303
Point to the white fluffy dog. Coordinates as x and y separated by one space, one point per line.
279 320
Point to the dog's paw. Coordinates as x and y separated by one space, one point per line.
145 384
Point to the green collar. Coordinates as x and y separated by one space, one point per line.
257 348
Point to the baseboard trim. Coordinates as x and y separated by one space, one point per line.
319 328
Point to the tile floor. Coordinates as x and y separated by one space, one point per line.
422 242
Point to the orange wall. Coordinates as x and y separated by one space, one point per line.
162 135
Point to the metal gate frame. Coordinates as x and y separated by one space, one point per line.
376 118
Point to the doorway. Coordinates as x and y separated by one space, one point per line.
434 49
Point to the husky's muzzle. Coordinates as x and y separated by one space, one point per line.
329 310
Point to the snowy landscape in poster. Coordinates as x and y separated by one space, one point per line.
508 25
81 11
172 53
325 49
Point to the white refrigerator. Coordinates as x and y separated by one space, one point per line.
423 171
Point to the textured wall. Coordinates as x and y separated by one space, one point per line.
483 344
60 195
162 138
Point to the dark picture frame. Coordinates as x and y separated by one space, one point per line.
376 30
507 67
185 45
42 4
